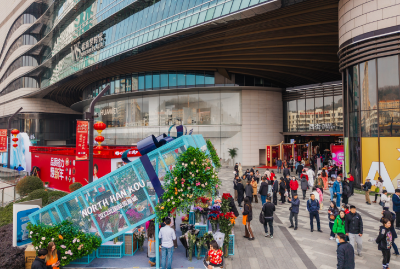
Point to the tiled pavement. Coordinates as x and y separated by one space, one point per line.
291 249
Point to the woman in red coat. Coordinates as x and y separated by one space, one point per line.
294 185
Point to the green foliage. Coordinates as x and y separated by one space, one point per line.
192 177
55 195
6 213
232 152
28 184
36 194
69 240
213 153
75 186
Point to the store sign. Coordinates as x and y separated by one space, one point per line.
323 126
108 111
82 128
3 140
80 50
131 153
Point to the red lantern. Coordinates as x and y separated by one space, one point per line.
99 126
15 132
99 139
15 139
15 145
99 148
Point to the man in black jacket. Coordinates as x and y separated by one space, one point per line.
235 181
287 183
299 169
263 191
275 188
354 228
39 262
268 209
286 172
240 190
249 191
345 254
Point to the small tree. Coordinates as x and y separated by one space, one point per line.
233 153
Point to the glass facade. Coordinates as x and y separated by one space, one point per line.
373 120
214 114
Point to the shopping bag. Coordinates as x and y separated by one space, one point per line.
244 219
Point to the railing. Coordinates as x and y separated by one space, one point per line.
8 194
8 180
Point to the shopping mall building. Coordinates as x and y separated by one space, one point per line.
244 73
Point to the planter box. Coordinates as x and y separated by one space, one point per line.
203 229
85 259
111 250
231 246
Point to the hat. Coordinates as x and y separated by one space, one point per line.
42 252
367 179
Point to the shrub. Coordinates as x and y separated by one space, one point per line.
28 184
75 186
10 257
6 214
39 194
58 194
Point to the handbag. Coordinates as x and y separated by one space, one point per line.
244 221
261 217
382 204
376 190
286 193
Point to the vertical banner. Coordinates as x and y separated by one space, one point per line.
346 167
3 140
82 128
268 154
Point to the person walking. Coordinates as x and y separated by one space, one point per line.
254 185
338 225
338 190
294 210
299 169
291 164
241 191
279 165
396 206
311 175
333 212
378 189
248 212
345 253
386 214
324 176
319 183
249 191
275 189
354 228
236 168
366 187
303 162
167 235
235 182
287 183
384 241
263 191
268 210
286 172
313 209
253 169
257 176
282 190
385 200
240 170
351 183
331 181
294 185
151 244
304 186
267 173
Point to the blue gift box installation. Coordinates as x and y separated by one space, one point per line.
126 197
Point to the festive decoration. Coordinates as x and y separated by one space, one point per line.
15 132
69 240
99 139
192 177
15 145
213 154
15 139
99 127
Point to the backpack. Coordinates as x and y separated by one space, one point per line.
261 217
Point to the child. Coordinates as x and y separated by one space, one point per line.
214 256
151 246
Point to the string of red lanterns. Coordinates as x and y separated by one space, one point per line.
99 127
15 132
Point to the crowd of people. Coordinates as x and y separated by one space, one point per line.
345 223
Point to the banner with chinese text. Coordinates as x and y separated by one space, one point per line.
3 140
82 128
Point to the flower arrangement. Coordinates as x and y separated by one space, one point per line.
140 236
185 219
69 240
213 217
192 177
217 202
203 242
191 238
225 203
213 154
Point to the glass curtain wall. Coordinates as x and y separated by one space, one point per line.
214 114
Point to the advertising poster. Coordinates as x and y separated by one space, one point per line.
338 154
346 156
20 221
3 140
82 128
268 154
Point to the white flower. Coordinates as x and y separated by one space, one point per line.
52 239
202 185
188 188
43 238
194 159
206 183
173 203
191 163
77 240
172 197
197 171
212 176
36 247
168 200
41 242
31 232
183 163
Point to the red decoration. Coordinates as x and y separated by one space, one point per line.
15 145
99 126
99 148
226 196
15 139
99 139
14 132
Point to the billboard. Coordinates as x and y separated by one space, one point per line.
82 128
338 154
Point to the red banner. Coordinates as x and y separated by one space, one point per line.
3 140
268 153
82 128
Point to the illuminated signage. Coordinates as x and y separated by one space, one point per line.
80 50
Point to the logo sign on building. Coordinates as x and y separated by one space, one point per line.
82 128
3 140
80 50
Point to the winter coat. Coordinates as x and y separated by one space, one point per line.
367 186
291 162
312 205
268 209
353 223
282 186
286 172
334 213
232 207
240 189
287 183
279 163
396 203
379 185
304 184
275 187
248 190
345 256
268 174
304 175
386 200
254 185
38 263
235 184
338 225
346 189
248 210
263 189
390 216
336 187
294 185
295 205
383 240
311 175
299 169
319 183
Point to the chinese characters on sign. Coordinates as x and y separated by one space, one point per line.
57 168
82 128
80 50
3 140
268 153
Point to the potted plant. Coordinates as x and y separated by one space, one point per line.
46 184
233 153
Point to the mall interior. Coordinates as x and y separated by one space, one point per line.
246 74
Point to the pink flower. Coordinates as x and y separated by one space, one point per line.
216 185
198 183
207 168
